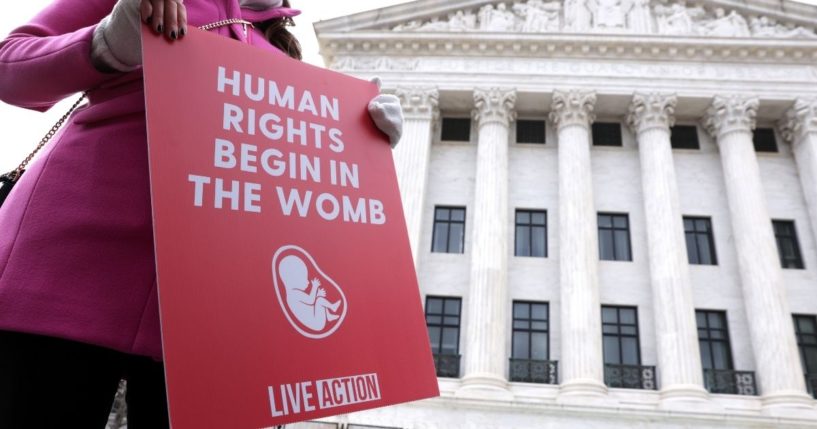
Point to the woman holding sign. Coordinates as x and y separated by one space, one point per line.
78 299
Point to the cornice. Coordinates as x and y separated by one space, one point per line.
621 47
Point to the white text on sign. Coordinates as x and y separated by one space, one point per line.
307 396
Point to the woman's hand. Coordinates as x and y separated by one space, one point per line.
117 44
387 114
168 17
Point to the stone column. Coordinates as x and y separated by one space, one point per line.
730 120
485 331
411 156
679 359
799 128
581 366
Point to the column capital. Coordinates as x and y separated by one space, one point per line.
494 105
731 113
572 107
799 121
651 110
419 102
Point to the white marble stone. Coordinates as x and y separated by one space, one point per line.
799 128
731 120
411 156
483 365
679 364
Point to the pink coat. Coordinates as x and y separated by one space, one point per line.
76 239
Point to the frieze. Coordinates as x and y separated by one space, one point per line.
609 16
548 67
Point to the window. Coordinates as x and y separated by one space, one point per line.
449 230
530 331
700 242
805 327
531 233
530 131
614 237
619 327
764 140
456 129
787 246
713 338
684 137
443 322
607 134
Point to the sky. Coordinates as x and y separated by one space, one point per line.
23 129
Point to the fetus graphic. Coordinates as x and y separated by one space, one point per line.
312 302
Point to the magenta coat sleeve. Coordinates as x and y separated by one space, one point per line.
49 58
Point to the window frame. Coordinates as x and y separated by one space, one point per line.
709 236
530 330
613 229
531 120
442 324
730 361
530 225
448 223
797 260
802 344
597 127
619 336
444 118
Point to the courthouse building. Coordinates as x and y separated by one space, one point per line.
612 206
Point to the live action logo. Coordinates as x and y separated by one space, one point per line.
307 396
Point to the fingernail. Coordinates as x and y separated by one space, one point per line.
173 35
182 33
149 20
159 28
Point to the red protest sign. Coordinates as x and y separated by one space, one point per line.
287 288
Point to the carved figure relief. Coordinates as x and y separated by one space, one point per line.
666 17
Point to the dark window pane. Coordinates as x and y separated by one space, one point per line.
441 213
788 247
692 248
715 320
700 318
606 134
538 218
689 225
810 355
609 329
458 215
440 237
452 307
539 326
521 344
622 239
538 242
529 131
605 221
455 238
620 221
764 140
456 129
684 137
611 350
449 344
434 305
627 316
720 356
523 241
805 325
519 310
539 346
703 250
706 355
521 324
606 250
451 320
629 351
522 217
629 330
432 319
434 338
609 315
539 311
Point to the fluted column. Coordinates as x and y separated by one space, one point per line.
411 156
581 363
679 360
799 128
730 120
485 332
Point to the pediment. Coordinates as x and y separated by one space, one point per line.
707 19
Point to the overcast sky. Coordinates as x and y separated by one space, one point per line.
22 129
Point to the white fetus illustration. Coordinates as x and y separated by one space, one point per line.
305 301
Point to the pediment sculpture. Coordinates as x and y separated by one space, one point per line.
609 16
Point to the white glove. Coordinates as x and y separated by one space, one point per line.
387 114
117 42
